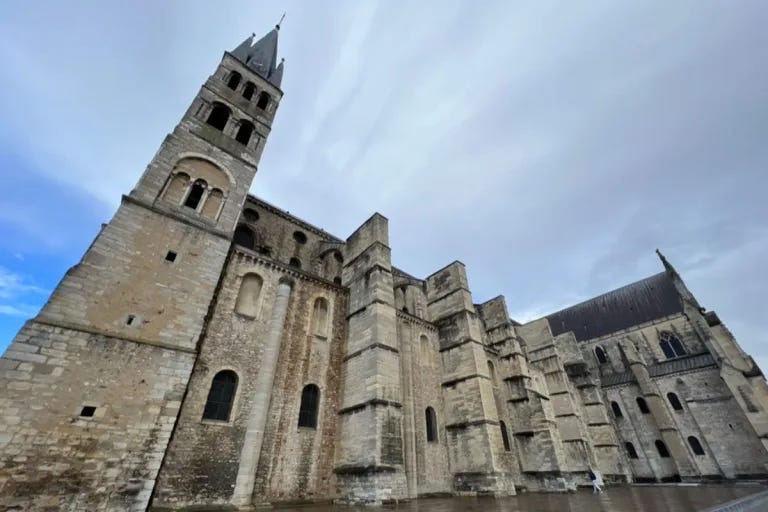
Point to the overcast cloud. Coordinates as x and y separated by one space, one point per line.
550 146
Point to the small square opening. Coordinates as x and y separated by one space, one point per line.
171 256
129 320
88 411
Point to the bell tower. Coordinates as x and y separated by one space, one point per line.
100 372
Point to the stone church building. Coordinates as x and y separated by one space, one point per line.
212 349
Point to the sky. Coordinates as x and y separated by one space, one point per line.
549 146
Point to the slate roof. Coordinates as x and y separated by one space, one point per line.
651 298
261 56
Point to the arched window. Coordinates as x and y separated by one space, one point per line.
234 80
244 132
263 100
221 396
674 402
244 237
219 116
176 188
295 263
431 425
616 410
695 445
504 435
195 194
248 90
212 204
491 372
631 452
602 357
671 345
662 449
250 215
320 318
300 237
310 404
642 405
248 297
426 350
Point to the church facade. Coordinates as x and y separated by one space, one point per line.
212 349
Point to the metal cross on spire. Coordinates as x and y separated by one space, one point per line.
280 22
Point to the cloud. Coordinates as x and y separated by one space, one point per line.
13 285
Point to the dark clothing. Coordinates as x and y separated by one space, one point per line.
592 475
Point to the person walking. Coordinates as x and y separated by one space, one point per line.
597 480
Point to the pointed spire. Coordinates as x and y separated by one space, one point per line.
261 56
667 265
277 77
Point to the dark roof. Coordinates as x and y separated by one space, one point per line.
651 298
261 56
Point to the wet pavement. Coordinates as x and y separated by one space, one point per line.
650 498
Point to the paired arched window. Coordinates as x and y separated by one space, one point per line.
695 445
244 237
674 402
600 354
221 396
504 435
195 194
219 116
234 80
263 100
248 297
244 132
176 189
310 404
248 90
642 405
662 449
320 318
431 425
671 345
213 204
631 452
616 410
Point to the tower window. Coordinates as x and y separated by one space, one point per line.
195 194
616 410
504 436
219 116
221 396
674 402
130 319
263 102
320 318
234 80
662 449
295 263
600 354
642 405
244 237
671 345
244 132
248 91
300 237
431 425
631 452
310 403
695 445
170 256
248 297
88 411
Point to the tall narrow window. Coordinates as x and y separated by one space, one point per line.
695 445
221 396
195 194
176 188
616 410
219 116
310 403
671 345
263 100
631 452
320 318
248 90
234 80
248 297
426 350
662 449
504 435
431 425
491 372
642 405
244 237
244 132
602 357
674 402
213 204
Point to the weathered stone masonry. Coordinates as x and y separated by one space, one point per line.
211 349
